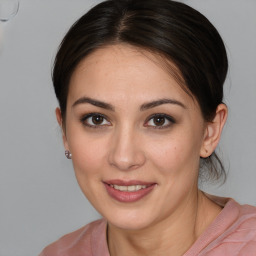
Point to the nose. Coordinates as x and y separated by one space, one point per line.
126 150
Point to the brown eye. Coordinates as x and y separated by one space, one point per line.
95 120
159 120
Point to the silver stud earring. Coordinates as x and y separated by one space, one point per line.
68 154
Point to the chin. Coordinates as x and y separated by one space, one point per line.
130 220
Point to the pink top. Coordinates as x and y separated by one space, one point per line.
232 233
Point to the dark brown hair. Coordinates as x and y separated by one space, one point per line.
171 29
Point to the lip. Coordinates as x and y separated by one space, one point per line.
128 183
124 196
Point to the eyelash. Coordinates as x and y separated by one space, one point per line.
84 120
168 118
171 120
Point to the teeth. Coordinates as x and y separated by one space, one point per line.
132 188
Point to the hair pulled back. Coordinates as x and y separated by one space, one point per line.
171 29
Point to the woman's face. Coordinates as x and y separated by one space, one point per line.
135 137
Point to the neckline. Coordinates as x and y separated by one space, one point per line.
218 226
214 230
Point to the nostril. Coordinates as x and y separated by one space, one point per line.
124 165
126 162
126 153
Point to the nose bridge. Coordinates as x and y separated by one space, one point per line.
126 152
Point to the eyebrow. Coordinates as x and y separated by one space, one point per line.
159 102
143 107
94 102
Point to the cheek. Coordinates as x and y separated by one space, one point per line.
88 157
88 154
175 154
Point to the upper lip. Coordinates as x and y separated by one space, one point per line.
128 183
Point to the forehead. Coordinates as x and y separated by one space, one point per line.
125 55
126 71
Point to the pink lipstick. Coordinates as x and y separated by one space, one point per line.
128 191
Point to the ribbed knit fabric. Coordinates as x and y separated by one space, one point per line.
232 233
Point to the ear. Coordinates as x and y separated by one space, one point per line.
213 131
60 122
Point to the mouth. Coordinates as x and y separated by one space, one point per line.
131 188
128 191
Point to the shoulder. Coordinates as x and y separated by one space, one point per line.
239 237
244 224
79 242
242 234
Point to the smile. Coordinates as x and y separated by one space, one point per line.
128 188
127 192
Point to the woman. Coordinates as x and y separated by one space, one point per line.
140 89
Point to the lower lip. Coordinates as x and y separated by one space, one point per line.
127 197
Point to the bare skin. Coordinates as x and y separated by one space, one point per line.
127 119
173 238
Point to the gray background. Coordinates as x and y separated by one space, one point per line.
39 197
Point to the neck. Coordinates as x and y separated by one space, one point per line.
172 236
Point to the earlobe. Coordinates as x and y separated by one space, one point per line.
60 122
213 131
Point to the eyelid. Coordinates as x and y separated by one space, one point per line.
168 117
87 116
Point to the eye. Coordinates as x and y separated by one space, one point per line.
95 120
160 121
